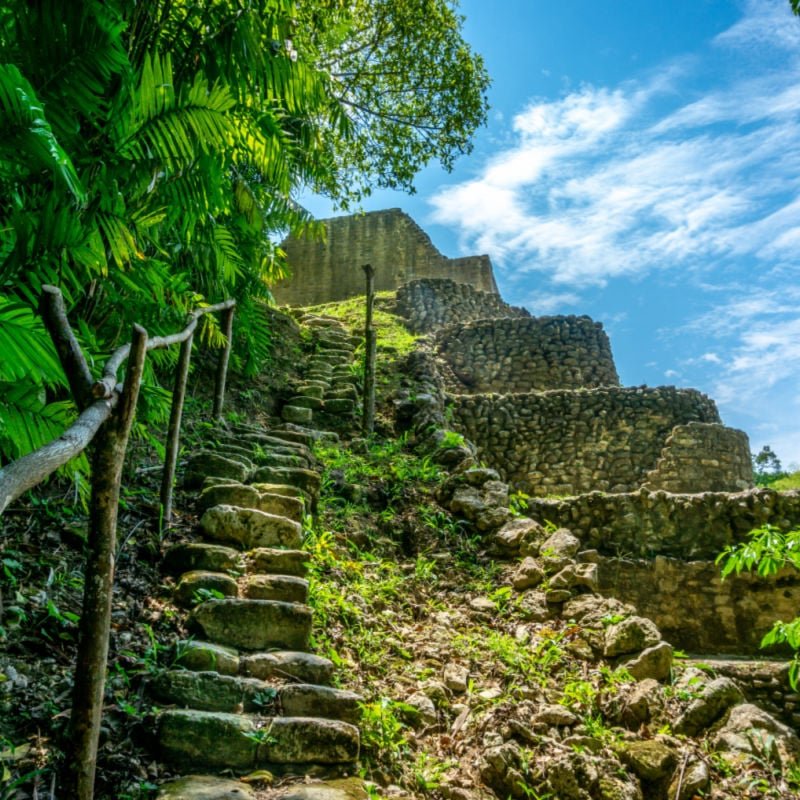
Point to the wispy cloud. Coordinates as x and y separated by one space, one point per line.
620 181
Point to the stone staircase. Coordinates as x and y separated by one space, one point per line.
329 385
245 693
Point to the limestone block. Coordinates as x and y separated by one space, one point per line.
203 656
205 787
288 588
192 584
631 635
298 414
305 667
249 527
276 561
189 556
254 624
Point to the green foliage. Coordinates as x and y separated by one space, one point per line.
767 467
412 88
768 550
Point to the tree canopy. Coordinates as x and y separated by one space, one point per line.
150 154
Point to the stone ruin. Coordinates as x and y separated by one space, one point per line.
649 478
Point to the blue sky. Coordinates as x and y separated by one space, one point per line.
642 165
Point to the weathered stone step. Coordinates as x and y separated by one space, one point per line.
311 435
192 585
212 691
275 561
249 527
205 787
305 401
312 389
254 624
215 740
207 462
307 480
237 494
320 365
270 459
344 392
280 445
299 414
189 556
341 406
288 588
318 376
285 664
334 351
232 448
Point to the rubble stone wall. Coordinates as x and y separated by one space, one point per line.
523 355
390 240
701 454
428 304
696 610
569 442
644 524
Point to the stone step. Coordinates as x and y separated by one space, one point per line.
345 392
216 740
192 585
237 494
188 556
204 787
347 380
232 448
283 664
318 376
298 414
319 365
270 459
344 353
342 406
211 691
294 435
249 527
288 588
315 389
315 434
280 445
304 401
207 462
307 480
276 561
254 624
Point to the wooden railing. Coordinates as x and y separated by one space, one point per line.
106 410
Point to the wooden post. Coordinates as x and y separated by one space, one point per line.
174 431
90 673
222 366
370 343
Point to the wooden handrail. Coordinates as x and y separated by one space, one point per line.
106 410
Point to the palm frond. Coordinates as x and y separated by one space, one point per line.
27 135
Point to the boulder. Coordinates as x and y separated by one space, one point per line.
630 635
715 698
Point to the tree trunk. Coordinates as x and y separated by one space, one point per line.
90 673
370 343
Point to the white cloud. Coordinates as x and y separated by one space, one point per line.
610 182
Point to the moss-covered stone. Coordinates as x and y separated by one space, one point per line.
254 624
249 527
189 556
193 585
288 588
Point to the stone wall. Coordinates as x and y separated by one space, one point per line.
701 454
696 610
427 304
687 526
568 442
523 355
764 683
390 240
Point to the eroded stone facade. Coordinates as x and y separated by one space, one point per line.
567 442
523 355
430 304
397 248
